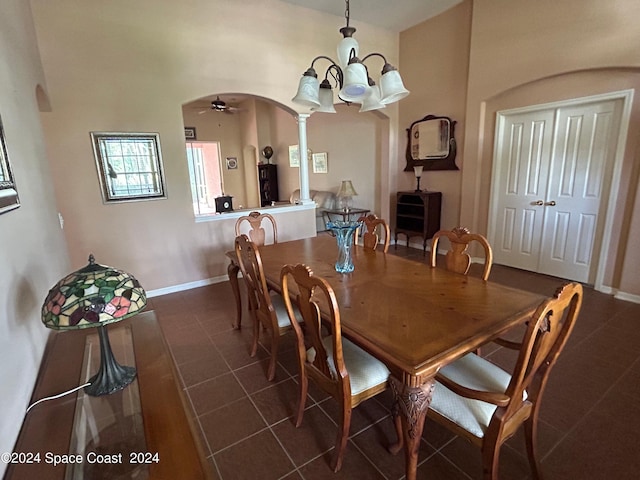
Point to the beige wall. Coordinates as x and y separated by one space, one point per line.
525 53
434 59
126 66
33 256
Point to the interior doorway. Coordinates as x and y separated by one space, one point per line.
553 177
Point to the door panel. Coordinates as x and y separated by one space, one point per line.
524 148
582 149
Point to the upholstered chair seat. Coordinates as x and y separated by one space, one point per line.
470 371
365 371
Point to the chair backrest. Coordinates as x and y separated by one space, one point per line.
457 259
545 337
371 237
257 233
313 291
251 266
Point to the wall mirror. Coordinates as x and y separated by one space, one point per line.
431 144
8 193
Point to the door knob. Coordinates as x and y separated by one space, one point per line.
538 202
552 203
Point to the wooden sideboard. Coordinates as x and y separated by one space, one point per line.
172 448
418 215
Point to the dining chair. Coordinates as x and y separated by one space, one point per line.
257 233
457 259
371 237
268 310
336 365
483 403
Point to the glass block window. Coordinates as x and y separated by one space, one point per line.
129 166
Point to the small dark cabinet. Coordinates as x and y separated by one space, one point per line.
268 183
418 215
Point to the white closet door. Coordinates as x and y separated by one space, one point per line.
551 177
581 162
523 150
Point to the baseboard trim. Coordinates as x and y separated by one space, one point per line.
629 297
186 286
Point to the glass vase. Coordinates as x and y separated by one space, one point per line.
344 231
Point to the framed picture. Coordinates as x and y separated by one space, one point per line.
294 156
8 193
320 164
190 133
232 163
129 166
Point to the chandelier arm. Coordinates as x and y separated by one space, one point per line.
336 72
333 63
375 54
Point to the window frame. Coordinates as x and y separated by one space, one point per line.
102 165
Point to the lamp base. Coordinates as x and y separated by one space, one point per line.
111 376
418 185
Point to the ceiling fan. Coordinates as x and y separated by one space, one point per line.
219 105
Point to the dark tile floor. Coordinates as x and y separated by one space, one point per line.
590 419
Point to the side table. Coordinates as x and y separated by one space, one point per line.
347 215
150 432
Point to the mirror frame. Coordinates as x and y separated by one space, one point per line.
8 193
434 163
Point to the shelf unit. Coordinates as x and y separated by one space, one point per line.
418 215
268 184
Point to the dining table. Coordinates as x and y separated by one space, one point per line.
413 317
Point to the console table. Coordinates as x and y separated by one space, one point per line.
144 431
418 215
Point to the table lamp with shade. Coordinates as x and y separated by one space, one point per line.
417 170
345 194
96 296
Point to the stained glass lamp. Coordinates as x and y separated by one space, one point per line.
96 296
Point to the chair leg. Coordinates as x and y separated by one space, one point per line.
275 340
304 386
343 436
256 336
531 435
397 422
490 459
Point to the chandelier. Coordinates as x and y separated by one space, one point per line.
350 75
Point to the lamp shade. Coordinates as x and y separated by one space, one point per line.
346 189
94 295
417 170
392 87
372 102
308 91
326 98
356 83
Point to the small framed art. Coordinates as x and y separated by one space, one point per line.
320 163
294 156
190 133
232 163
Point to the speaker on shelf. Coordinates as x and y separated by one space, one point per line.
224 204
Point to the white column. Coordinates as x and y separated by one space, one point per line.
304 161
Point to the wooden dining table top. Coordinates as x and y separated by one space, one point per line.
411 316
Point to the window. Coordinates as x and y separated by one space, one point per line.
205 175
129 166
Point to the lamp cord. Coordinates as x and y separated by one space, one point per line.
56 396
